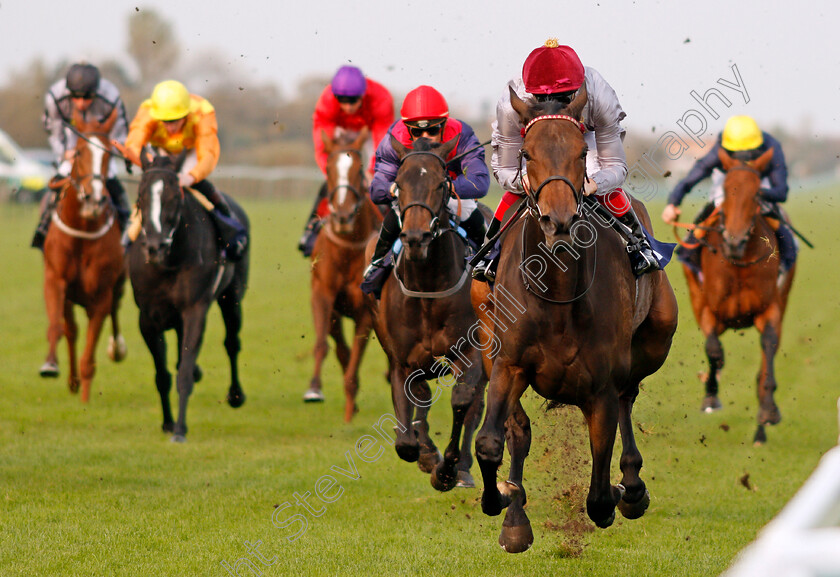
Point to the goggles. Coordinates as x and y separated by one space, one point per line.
348 99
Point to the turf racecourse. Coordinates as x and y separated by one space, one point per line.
99 490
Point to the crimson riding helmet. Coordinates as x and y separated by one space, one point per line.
424 106
83 79
349 81
552 68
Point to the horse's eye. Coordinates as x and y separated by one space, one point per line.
584 153
525 155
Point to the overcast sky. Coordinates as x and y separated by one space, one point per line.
653 53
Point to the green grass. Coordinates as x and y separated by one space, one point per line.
99 490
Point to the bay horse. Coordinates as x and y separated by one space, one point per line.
338 261
424 320
740 266
576 326
177 270
83 257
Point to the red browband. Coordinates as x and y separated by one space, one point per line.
577 122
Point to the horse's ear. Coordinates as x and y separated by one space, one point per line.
518 105
179 160
447 147
398 147
725 160
328 143
364 133
575 108
762 161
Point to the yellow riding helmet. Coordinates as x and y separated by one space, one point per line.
741 133
170 101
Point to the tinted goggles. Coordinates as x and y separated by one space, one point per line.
417 132
348 99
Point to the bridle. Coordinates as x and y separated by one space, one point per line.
360 198
534 194
167 241
721 228
434 225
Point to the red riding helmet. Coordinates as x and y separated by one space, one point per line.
424 103
552 68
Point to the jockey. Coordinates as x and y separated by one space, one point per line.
743 140
84 91
172 120
554 72
350 103
425 113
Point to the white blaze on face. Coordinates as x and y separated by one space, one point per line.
154 211
97 153
423 172
345 161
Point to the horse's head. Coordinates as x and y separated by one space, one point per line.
555 158
90 164
422 189
160 200
345 179
740 200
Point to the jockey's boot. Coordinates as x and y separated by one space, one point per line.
120 200
474 227
787 252
232 232
313 223
388 234
641 254
485 270
44 222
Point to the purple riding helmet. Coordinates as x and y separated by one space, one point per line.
349 81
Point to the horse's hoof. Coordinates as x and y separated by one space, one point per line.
428 460
509 492
711 404
516 539
178 439
73 385
408 452
168 427
760 436
634 510
604 523
465 480
770 416
117 349
443 480
236 400
49 370
313 396
198 374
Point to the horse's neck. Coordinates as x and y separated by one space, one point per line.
441 269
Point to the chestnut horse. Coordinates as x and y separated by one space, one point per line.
424 320
83 257
177 271
740 265
574 324
338 260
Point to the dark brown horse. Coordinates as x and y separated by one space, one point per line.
177 270
740 265
424 320
83 258
572 322
338 261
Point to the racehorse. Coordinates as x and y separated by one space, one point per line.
740 266
177 270
338 260
575 325
424 320
83 257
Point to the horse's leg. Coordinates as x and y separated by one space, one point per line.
322 314
471 422
97 314
445 475
714 353
163 379
602 418
429 454
636 498
116 343
342 351
516 535
770 326
71 332
506 387
54 297
406 443
230 303
364 323
194 322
